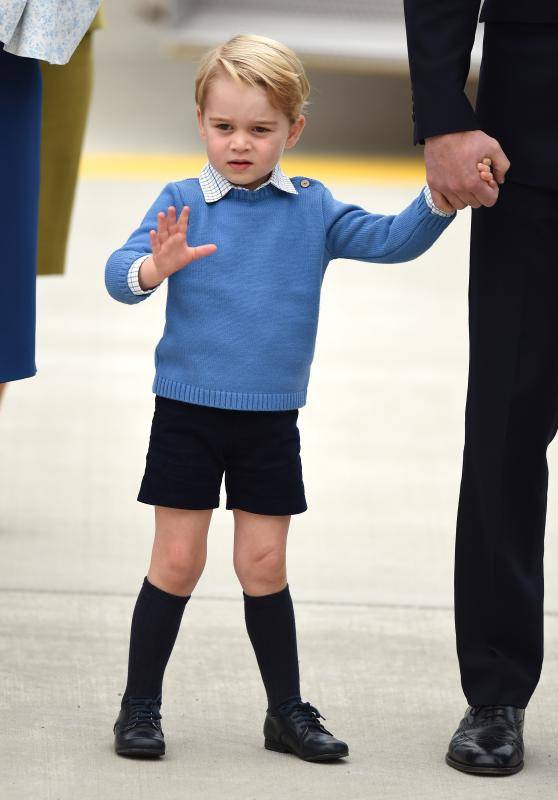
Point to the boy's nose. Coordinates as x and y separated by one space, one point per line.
239 145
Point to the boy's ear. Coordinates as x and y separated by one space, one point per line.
295 131
199 117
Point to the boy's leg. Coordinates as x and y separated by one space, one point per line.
177 561
179 548
290 726
260 543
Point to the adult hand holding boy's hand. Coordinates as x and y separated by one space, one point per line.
450 169
171 251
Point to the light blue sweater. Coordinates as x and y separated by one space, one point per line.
241 323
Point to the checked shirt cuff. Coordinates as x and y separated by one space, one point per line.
432 205
133 278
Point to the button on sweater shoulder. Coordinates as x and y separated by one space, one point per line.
241 324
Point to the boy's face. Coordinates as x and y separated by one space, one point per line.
240 125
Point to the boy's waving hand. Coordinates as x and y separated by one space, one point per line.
170 248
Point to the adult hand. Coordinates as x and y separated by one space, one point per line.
451 169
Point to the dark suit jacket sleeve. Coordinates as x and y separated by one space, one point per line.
440 37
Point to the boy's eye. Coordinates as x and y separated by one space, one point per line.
258 128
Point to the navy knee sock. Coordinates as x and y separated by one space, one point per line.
155 623
270 623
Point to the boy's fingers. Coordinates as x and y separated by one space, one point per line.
202 250
173 227
155 245
183 219
162 229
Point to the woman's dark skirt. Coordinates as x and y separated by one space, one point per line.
20 140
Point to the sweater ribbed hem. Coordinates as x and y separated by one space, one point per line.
217 398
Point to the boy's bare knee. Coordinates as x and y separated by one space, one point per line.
262 571
177 572
182 558
180 550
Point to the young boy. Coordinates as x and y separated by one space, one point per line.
232 370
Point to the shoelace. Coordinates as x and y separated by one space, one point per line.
144 710
304 712
486 715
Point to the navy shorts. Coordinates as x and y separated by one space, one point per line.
191 446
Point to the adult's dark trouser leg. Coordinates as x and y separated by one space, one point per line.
511 416
20 131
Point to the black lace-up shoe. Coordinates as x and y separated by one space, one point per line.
137 731
489 741
296 728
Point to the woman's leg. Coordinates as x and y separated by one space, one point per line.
260 543
66 98
177 561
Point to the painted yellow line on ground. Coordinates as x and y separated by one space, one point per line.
146 166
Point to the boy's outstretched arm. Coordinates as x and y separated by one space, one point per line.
118 277
353 232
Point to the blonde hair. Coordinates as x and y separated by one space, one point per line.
257 61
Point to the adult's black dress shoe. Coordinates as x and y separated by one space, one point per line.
489 741
296 728
137 731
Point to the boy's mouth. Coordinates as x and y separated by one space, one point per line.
241 164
